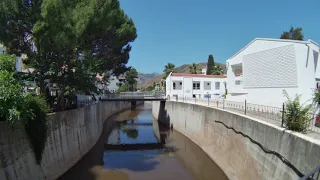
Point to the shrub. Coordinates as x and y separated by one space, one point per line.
36 123
296 115
17 107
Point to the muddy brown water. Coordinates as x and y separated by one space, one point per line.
132 151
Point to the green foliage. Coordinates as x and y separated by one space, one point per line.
122 88
217 70
150 88
194 68
293 33
212 68
296 115
168 69
18 107
316 96
36 124
74 40
131 78
7 63
11 99
210 65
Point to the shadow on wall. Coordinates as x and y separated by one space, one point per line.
90 167
163 115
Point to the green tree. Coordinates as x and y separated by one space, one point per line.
154 84
217 70
131 78
17 106
212 68
194 68
293 33
68 42
149 88
122 88
168 69
210 65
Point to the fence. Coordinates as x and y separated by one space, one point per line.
267 113
313 175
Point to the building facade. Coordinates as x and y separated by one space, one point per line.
195 86
262 70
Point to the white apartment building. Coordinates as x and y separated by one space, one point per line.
195 86
261 70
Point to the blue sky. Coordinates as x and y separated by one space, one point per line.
185 31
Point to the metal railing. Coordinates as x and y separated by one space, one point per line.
135 95
312 175
262 112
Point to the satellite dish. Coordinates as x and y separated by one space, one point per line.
187 91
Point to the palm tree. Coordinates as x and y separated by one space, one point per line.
194 68
217 70
168 69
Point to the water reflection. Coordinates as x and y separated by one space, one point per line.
131 133
176 158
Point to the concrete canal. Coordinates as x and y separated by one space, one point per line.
137 147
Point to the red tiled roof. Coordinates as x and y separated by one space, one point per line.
239 74
197 75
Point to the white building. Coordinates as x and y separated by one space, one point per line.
264 68
204 70
195 86
18 64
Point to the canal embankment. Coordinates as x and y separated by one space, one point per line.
71 135
243 147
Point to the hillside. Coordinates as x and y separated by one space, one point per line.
181 69
143 78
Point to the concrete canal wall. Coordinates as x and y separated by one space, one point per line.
72 134
243 147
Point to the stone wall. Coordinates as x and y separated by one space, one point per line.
243 147
71 135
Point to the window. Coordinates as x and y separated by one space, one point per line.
196 85
237 82
207 85
180 83
217 84
194 96
174 85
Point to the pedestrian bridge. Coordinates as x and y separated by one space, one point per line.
135 96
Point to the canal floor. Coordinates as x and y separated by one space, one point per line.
132 151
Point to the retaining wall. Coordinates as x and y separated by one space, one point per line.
243 147
71 135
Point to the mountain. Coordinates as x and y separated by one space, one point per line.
181 69
143 78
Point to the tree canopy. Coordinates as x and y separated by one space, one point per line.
68 42
168 69
131 78
210 64
212 68
293 33
194 68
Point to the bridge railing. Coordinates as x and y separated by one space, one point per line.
135 95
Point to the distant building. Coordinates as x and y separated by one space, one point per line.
264 68
195 86
115 83
18 65
204 70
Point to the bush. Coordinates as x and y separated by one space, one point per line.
17 107
36 124
296 115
